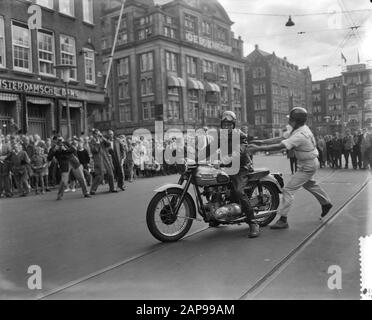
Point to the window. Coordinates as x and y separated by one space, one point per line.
352 105
316 97
170 32
169 20
259 89
173 91
208 66
258 72
207 28
68 53
88 11
193 110
105 43
352 92
144 33
67 7
171 61
260 104
45 3
146 62
236 75
145 20
221 34
123 67
173 111
21 47
89 64
191 65
148 109
190 23
125 112
260 119
146 87
122 37
224 95
45 41
237 95
316 87
223 72
2 43
123 89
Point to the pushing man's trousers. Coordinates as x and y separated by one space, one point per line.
302 178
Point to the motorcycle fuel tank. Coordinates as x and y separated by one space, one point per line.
207 176
229 212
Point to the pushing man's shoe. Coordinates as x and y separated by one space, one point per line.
325 209
280 224
254 230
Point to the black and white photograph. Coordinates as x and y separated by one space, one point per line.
208 151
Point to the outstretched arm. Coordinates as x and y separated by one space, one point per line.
268 141
272 147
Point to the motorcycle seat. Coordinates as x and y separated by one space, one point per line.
258 174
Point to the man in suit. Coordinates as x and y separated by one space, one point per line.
118 151
366 148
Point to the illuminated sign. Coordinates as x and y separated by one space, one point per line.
36 88
207 43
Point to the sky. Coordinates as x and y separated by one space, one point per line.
325 37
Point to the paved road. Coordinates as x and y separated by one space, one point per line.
72 240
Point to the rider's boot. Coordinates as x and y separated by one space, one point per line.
254 230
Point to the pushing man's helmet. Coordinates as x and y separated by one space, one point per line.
228 117
298 115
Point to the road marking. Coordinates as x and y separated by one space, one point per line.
266 279
112 267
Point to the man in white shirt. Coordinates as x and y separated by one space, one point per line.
303 142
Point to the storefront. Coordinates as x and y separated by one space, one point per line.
39 108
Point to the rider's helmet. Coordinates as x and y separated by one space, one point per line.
228 117
298 115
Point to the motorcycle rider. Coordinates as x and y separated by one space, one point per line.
240 180
302 140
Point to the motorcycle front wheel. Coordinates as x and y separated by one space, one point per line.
269 202
162 221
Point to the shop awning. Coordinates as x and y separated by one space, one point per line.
176 82
39 100
212 87
8 97
195 84
72 104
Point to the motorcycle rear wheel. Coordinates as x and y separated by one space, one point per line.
156 221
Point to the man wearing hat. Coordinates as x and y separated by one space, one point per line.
302 140
99 147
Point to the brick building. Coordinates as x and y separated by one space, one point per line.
273 87
344 101
31 91
179 62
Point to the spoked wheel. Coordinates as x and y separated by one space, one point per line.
163 222
267 202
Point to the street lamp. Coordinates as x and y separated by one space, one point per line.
327 118
65 77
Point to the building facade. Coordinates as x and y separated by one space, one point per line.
178 62
273 87
344 101
31 89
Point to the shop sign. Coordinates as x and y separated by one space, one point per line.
36 88
207 43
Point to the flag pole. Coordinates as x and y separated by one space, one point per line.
114 47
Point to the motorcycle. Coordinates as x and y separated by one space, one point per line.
172 210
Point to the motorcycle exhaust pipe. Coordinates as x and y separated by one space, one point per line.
263 214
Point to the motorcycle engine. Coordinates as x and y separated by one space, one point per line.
219 206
